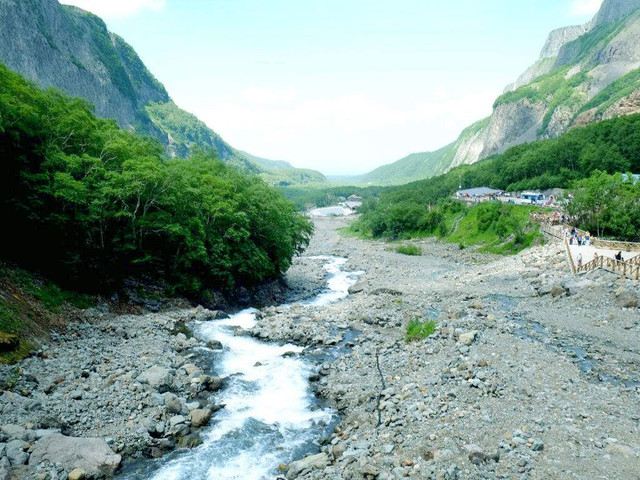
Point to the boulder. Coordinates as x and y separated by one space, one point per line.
575 287
312 462
558 291
200 417
626 298
77 474
14 431
92 455
16 454
157 377
468 338
357 288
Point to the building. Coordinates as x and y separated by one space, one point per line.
478 192
533 197
353 202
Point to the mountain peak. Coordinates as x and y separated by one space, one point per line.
614 10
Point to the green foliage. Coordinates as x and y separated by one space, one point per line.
310 196
412 250
278 172
496 227
608 206
419 329
90 204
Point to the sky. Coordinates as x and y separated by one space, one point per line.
340 86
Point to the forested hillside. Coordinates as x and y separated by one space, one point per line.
90 204
611 146
72 50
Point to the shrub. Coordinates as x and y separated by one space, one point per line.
419 329
409 250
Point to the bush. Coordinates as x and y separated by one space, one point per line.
419 329
409 250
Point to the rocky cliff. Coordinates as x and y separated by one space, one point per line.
585 73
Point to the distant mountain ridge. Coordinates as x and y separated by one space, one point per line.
72 50
585 74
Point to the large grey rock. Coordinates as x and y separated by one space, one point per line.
574 287
14 431
312 462
16 454
626 298
200 417
92 455
157 377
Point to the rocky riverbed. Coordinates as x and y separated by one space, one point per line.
531 373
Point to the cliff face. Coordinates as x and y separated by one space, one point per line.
66 48
69 49
589 68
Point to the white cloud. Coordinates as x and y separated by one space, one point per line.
116 8
579 8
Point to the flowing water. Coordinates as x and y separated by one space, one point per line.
271 416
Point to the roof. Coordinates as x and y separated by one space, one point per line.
478 192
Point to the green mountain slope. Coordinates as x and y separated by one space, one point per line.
585 74
72 50
283 173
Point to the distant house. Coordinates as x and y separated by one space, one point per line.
533 197
353 202
478 192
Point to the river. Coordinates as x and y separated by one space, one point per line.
271 416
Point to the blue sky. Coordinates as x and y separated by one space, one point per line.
341 86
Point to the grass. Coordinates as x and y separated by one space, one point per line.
349 232
49 294
411 250
419 329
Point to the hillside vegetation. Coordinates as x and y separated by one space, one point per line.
414 209
89 204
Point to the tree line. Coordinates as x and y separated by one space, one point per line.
611 146
89 204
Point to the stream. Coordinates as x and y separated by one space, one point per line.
271 416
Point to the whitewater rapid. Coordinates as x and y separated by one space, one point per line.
271 416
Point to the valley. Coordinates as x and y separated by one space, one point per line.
530 373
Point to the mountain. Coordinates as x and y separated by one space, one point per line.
283 173
72 50
585 74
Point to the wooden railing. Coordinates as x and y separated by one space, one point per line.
615 245
629 268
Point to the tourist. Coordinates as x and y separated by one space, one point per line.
579 260
587 239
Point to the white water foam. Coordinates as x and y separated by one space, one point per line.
271 415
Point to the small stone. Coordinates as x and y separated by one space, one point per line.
77 474
537 445
468 338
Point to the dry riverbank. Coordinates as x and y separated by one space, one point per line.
531 373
